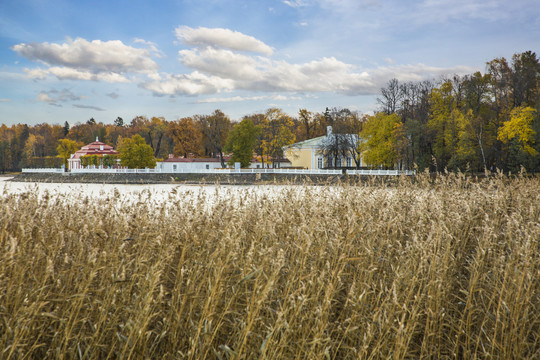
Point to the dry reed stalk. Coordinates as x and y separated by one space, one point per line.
438 268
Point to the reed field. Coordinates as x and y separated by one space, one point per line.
445 268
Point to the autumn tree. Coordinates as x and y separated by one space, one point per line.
469 153
402 146
444 123
378 145
140 125
476 106
66 148
21 134
12 142
6 160
112 133
87 132
33 151
5 156
158 129
241 142
186 137
276 132
500 90
519 135
306 125
215 130
153 132
135 153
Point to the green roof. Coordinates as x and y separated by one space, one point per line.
315 142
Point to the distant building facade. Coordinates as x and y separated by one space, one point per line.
175 164
94 148
308 154
181 164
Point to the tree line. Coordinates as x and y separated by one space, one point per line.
46 145
474 123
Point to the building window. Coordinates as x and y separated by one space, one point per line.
329 162
319 163
338 162
207 166
174 167
349 162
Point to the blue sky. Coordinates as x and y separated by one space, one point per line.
63 60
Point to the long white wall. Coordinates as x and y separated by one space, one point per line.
169 167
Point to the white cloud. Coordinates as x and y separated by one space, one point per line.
189 84
95 56
223 70
152 46
218 64
216 67
221 38
36 74
67 73
80 59
222 63
263 74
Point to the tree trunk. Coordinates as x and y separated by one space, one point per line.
479 137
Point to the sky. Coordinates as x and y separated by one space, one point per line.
67 60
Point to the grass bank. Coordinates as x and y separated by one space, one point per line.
444 268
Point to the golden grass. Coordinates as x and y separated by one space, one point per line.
436 269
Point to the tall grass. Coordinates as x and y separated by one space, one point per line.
433 269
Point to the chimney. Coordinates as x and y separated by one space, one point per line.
171 156
328 130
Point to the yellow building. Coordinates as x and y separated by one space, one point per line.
308 154
305 154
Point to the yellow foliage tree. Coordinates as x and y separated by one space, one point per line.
66 148
135 153
379 145
444 123
519 127
276 133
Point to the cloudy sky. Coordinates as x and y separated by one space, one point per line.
67 60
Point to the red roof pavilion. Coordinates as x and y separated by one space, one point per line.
95 148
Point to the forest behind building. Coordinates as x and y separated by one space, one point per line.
481 121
